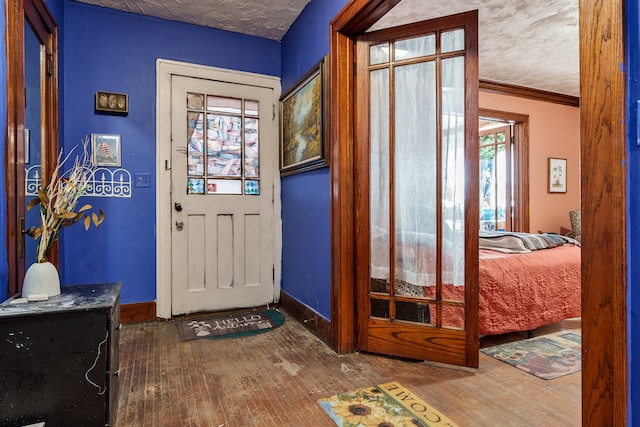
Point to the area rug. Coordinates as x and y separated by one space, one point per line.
547 357
389 405
230 326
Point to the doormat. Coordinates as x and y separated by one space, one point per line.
230 326
387 404
547 357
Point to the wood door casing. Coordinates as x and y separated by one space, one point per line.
36 14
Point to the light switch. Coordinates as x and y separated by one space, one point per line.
142 179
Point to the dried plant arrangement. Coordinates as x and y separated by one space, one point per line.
59 197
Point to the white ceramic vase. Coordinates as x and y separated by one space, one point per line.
41 278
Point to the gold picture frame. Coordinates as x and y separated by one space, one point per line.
112 102
303 123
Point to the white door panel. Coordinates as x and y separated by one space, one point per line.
222 231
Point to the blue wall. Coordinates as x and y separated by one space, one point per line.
306 251
633 205
117 51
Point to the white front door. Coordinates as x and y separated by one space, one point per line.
222 194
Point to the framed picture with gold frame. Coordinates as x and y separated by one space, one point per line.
112 102
303 123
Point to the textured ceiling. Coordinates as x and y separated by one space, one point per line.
522 42
269 19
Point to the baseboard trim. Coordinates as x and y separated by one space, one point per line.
138 312
309 318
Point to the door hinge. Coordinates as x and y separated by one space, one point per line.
273 274
273 111
513 140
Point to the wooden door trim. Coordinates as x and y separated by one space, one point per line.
44 25
15 134
604 239
521 157
355 18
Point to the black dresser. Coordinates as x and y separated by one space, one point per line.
59 358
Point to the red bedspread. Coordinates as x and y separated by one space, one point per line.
522 291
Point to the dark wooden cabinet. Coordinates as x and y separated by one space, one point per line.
59 358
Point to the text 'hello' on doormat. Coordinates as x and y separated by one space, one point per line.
387 404
230 326
547 357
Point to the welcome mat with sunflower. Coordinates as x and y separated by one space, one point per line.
230 326
388 405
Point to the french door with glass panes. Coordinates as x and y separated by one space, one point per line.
221 195
496 176
416 188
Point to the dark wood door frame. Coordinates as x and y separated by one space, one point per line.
603 151
603 175
36 13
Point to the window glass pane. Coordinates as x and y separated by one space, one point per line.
415 174
380 263
224 186
487 187
487 139
380 286
195 138
501 188
453 164
224 145
251 148
453 317
379 308
251 108
452 41
195 186
224 105
414 47
252 187
195 101
379 53
413 311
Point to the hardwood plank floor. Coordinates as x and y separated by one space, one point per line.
276 379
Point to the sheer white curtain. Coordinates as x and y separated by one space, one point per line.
415 173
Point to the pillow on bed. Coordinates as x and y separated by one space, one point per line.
576 224
501 242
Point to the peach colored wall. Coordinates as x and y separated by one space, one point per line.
554 131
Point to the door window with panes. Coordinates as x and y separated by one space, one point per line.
496 176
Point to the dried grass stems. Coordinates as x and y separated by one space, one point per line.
59 197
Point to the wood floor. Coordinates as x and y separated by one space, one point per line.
276 378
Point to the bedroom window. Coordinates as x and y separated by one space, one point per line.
504 171
496 176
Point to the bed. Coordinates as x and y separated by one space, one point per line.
525 281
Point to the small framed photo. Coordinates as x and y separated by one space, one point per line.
557 182
105 149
